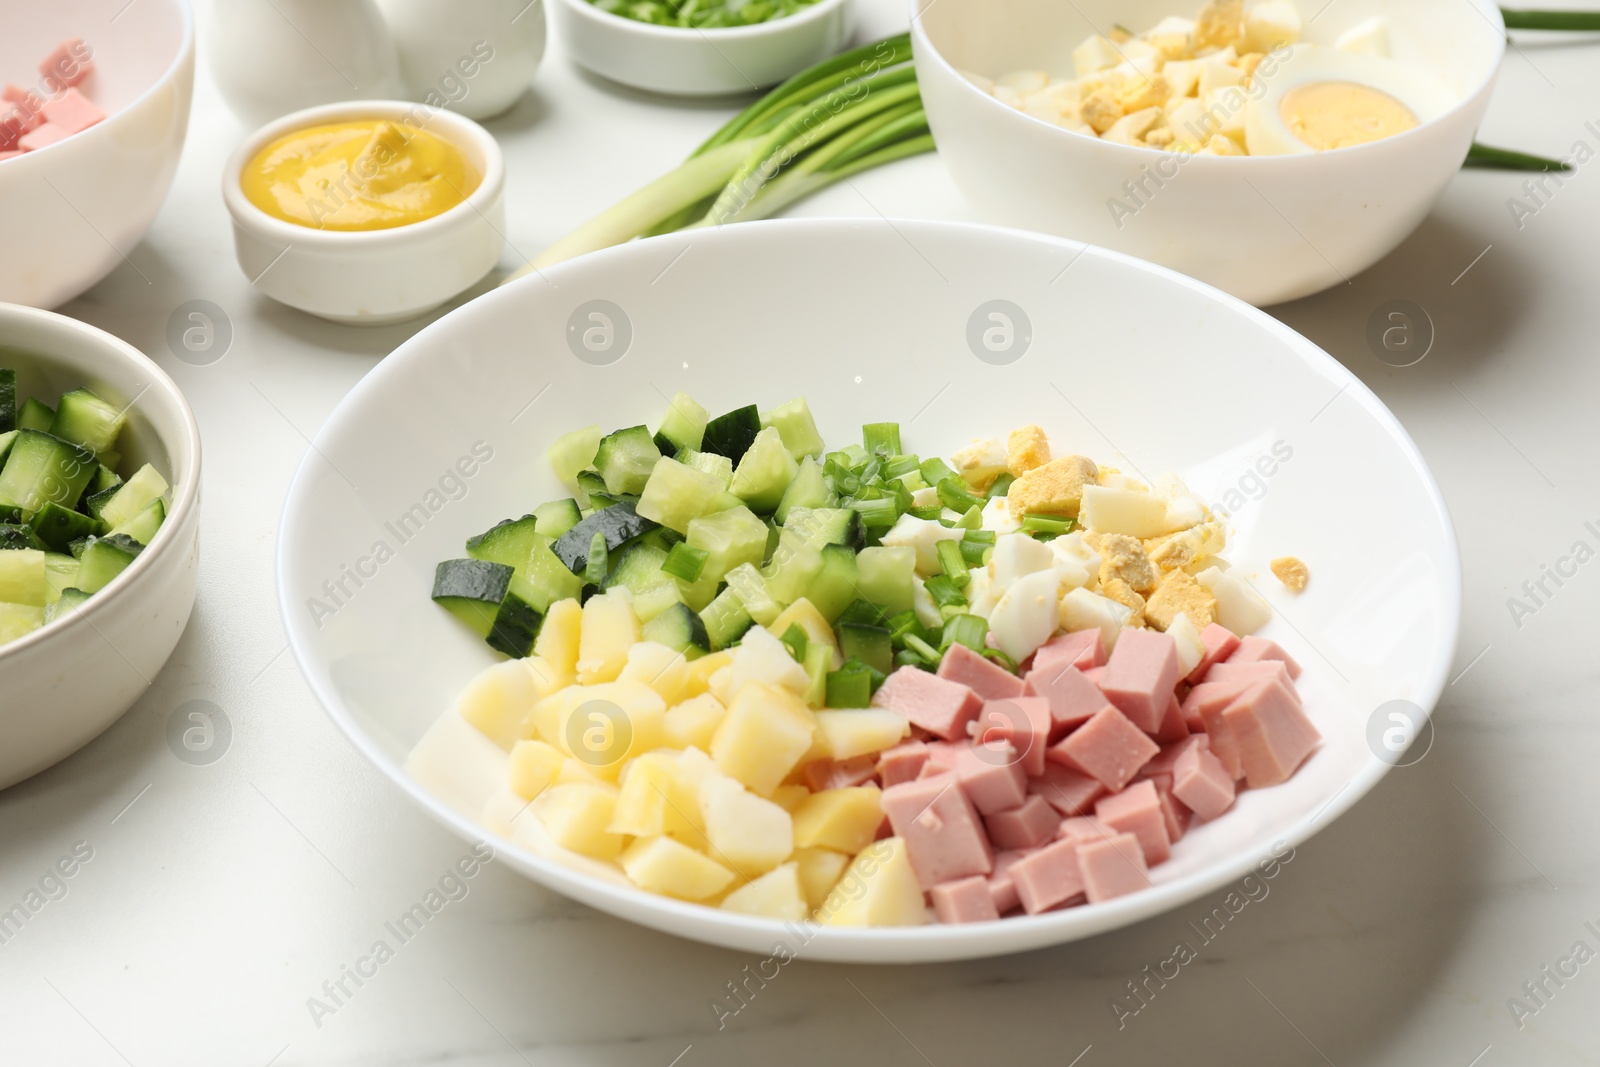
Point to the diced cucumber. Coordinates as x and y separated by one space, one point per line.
547 579
619 523
825 526
19 620
710 462
556 517
36 415
731 434
60 574
143 526
751 589
470 589
625 459
683 426
677 494
87 421
795 425
686 562
42 467
5 444
700 592
22 579
725 619
833 588
132 496
818 662
19 535
58 527
849 688
104 478
884 576
678 628
592 491
70 600
509 542
656 599
763 473
8 400
515 627
103 559
95 503
808 489
729 538
794 564
574 452
638 567
871 645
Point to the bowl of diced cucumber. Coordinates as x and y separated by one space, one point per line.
99 513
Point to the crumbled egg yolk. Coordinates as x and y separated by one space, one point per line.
1339 114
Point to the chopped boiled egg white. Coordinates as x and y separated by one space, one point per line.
1232 81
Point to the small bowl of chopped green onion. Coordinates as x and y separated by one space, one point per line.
701 47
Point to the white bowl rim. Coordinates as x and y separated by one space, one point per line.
186 447
649 29
1491 12
185 54
460 128
953 941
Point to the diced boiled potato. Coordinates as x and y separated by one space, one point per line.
1028 614
610 629
671 868
765 733
694 721
819 870
1123 511
1239 607
457 763
721 684
1270 24
654 800
576 817
747 833
845 820
775 895
1083 610
1095 53
533 768
661 668
700 671
858 731
790 797
879 888
804 614
1369 36
761 657
603 725
499 700
923 536
559 636
572 771
1191 649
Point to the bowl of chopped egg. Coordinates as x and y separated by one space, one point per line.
1271 149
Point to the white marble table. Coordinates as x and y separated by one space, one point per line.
219 898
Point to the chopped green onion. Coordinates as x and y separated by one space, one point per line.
685 562
943 590
936 470
900 466
912 481
848 689
864 612
982 537
972 520
902 623
1580 21
794 638
881 438
931 513
1482 155
1047 524
972 553
969 630
594 569
929 654
907 658
819 661
955 495
1001 658
882 513
955 567
1002 485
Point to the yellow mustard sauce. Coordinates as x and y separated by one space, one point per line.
369 175
1328 115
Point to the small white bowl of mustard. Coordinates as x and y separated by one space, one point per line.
367 212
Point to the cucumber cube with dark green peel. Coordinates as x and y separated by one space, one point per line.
515 627
143 526
19 535
509 542
725 619
104 478
619 523
8 400
732 434
556 517
625 459
131 497
679 629
471 590
88 421
103 559
42 468
71 600
5 444
58 527
35 415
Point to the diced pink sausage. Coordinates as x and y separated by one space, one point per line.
42 136
72 111
1073 699
1112 868
1137 811
965 900
941 707
1069 792
1257 649
1095 674
1175 811
1270 734
1266 670
1165 760
69 64
1203 783
1083 828
1048 878
992 776
983 676
1173 725
1220 643
1108 748
1001 888
902 763
943 835
8 155
825 773
1029 826
1082 649
1209 698
1023 721
1141 676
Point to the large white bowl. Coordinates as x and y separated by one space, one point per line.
1267 228
68 681
688 62
876 322
72 212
